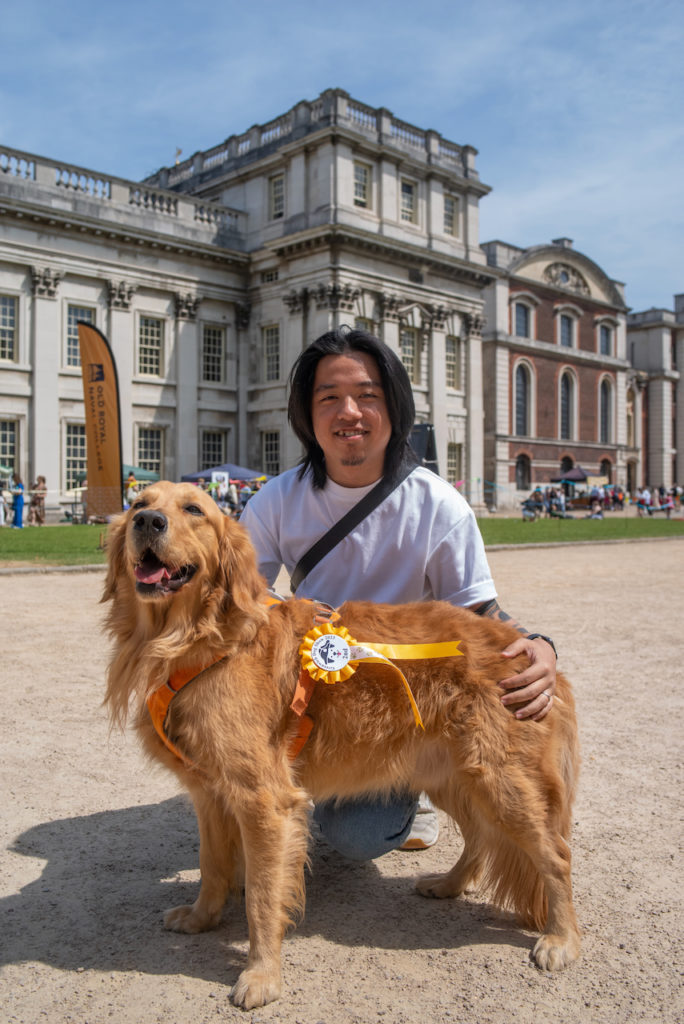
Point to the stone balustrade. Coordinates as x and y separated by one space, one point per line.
113 193
334 106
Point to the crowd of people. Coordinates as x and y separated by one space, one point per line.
17 495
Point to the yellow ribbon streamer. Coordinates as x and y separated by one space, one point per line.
370 652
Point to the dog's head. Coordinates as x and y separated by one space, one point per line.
175 549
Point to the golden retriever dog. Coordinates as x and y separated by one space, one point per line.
185 597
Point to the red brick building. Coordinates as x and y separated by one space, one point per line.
555 370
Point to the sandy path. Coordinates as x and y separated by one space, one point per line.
96 846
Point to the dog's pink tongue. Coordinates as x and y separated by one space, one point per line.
151 576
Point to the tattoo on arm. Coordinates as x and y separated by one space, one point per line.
493 610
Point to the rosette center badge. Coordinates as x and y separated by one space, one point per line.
330 652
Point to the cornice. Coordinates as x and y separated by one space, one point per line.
32 214
550 350
336 235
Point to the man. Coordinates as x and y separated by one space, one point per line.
351 406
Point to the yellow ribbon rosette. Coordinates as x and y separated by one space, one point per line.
329 653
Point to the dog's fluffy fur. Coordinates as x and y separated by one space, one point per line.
183 588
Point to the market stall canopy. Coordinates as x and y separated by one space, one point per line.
234 471
143 476
573 476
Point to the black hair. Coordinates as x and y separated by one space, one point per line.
395 385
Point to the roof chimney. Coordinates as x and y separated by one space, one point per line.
564 243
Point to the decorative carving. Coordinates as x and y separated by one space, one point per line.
389 306
186 306
297 301
243 311
434 317
336 296
44 282
474 324
119 295
562 275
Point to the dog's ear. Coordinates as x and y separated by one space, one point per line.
116 539
241 579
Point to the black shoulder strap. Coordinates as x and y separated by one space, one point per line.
339 530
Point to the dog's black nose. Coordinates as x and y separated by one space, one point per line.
150 521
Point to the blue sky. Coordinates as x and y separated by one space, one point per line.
576 108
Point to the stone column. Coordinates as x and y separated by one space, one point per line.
243 312
474 468
44 425
435 324
121 338
187 373
388 306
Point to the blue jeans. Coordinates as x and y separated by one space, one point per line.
367 828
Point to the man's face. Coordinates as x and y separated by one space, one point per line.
350 419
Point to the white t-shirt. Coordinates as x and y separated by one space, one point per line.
421 543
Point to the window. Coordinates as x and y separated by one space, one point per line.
605 411
566 330
451 212
270 452
276 197
523 473
631 435
8 328
605 340
8 444
75 461
455 463
523 320
453 358
269 276
74 313
409 205
362 185
213 452
212 355
150 347
606 469
271 352
362 323
566 407
150 449
522 401
408 339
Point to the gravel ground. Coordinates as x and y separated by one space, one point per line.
97 845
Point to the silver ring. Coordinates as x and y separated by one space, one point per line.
548 696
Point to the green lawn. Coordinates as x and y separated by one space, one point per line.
53 545
82 545
515 531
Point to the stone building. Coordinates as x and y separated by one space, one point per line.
209 278
655 396
555 370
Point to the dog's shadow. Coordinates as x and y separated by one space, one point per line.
108 878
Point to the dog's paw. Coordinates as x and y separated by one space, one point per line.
255 987
554 952
438 887
190 919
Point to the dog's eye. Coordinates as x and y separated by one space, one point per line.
138 504
194 510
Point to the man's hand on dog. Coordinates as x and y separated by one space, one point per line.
535 686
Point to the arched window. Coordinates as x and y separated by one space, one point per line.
606 469
605 411
523 474
566 407
522 400
566 465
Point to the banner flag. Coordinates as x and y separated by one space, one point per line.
103 424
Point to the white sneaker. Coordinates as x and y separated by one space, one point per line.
425 829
